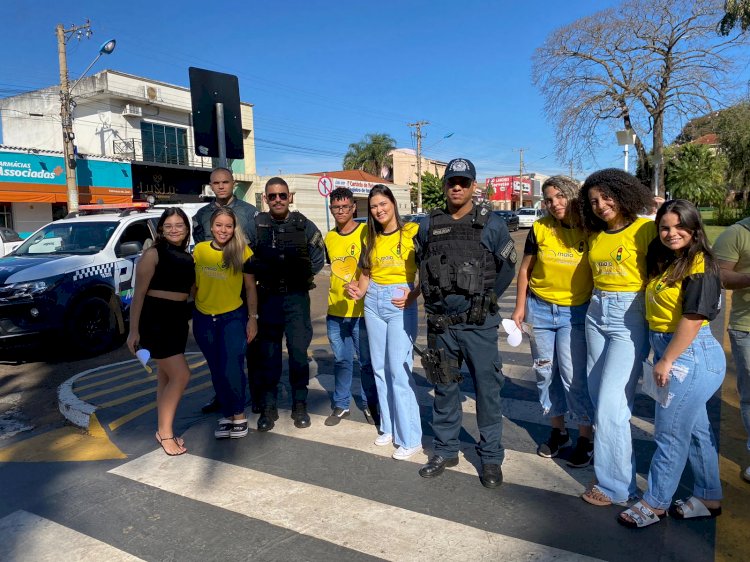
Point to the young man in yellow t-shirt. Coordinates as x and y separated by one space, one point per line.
345 321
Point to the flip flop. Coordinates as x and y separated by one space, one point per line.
693 508
161 440
641 515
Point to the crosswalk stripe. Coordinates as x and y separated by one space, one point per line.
513 409
370 527
520 468
29 538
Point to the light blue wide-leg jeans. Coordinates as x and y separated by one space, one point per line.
617 340
392 332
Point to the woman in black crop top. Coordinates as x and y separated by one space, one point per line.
159 317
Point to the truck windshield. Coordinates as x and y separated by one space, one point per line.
68 238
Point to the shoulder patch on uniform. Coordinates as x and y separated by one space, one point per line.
509 251
317 239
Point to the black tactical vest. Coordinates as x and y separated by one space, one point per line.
281 255
454 260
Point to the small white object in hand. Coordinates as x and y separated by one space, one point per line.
514 333
143 356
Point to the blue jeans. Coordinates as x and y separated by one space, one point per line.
559 351
477 345
391 332
741 352
617 340
682 429
222 339
348 335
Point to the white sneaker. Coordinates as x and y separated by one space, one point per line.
746 474
384 439
403 453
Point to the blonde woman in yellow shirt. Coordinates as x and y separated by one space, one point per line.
222 324
387 282
553 291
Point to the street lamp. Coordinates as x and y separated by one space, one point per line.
66 102
625 138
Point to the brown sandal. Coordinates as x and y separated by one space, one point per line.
161 440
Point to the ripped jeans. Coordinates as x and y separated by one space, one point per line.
559 352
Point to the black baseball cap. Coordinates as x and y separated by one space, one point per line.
460 167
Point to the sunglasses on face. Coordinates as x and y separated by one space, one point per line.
283 196
464 183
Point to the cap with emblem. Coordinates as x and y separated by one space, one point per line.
460 167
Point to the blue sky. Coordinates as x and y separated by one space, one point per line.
324 73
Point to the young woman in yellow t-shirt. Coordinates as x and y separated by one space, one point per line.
553 291
682 296
387 282
222 324
616 330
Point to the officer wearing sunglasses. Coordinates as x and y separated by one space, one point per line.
287 253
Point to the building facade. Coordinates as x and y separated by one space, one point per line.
122 118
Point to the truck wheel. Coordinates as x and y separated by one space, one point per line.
92 326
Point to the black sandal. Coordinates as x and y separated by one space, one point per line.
161 440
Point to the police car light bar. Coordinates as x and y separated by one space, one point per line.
114 206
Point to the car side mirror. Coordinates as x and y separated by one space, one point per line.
129 249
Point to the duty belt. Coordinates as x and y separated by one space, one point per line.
439 322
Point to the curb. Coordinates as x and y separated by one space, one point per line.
75 410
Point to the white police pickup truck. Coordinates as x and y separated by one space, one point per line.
72 280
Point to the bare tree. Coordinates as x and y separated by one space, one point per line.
641 66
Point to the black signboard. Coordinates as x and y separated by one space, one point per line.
207 88
168 185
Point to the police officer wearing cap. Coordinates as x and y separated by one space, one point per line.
287 253
467 260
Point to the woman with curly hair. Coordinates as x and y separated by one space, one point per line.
616 329
682 296
553 291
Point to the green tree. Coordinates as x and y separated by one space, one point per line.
372 154
694 172
736 12
432 192
733 128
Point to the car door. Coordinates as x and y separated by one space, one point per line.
137 237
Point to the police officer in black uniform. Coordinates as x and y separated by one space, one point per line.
287 253
467 259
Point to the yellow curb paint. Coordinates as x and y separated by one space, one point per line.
139 381
67 444
134 395
116 424
732 525
136 369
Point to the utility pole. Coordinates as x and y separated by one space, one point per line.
65 109
520 175
571 170
419 125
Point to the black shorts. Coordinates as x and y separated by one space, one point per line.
163 327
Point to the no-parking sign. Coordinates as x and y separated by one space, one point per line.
325 186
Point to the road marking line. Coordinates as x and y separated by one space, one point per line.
151 406
370 527
139 381
134 395
66 444
26 537
136 370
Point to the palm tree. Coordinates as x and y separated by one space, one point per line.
695 173
371 154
